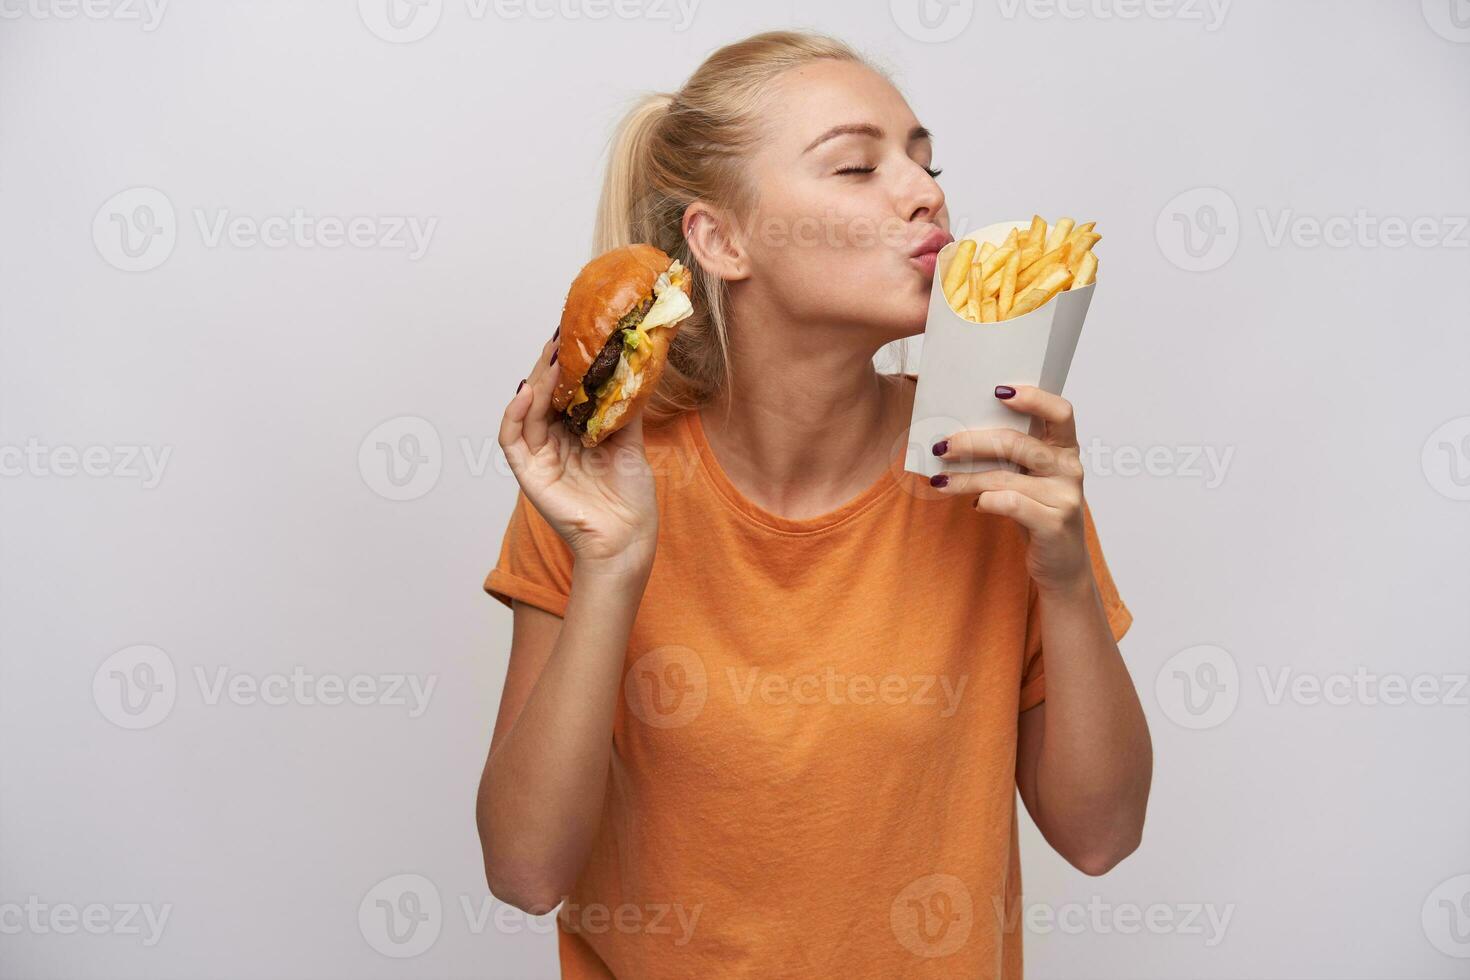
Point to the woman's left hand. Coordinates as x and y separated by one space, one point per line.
1046 499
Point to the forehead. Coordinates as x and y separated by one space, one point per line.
810 99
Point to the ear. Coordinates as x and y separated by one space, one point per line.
713 240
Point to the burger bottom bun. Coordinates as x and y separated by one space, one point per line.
624 409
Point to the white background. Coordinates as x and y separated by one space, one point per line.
1333 540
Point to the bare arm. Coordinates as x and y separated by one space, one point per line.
1084 768
541 793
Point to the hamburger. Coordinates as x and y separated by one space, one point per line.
622 312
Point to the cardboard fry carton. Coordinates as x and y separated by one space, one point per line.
962 362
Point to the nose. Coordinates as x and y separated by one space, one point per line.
924 198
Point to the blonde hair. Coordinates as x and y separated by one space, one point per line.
675 147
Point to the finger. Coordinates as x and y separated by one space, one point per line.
1018 447
542 382
1054 410
512 422
1049 491
1029 513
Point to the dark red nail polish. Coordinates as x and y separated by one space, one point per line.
939 480
556 333
520 386
941 447
1004 391
553 356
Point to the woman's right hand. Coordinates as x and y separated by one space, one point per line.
601 501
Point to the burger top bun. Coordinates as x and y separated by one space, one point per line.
603 293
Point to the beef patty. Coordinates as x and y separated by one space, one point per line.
603 366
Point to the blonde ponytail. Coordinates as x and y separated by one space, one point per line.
671 149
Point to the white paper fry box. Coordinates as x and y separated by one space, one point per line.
962 363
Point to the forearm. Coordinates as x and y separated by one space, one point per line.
1096 760
541 795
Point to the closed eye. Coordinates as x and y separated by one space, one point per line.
931 171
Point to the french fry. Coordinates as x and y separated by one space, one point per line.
1033 271
1086 271
972 306
1081 246
1036 297
1036 234
1059 233
959 267
989 283
1008 284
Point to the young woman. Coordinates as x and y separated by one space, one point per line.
770 697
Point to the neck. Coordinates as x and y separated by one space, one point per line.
806 421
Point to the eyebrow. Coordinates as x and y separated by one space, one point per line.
864 129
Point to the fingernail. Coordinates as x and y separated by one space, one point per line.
941 447
1004 391
939 480
520 386
557 332
553 356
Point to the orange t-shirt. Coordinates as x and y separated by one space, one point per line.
814 757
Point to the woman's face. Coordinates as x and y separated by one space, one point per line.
845 202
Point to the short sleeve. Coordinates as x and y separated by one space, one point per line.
535 564
1033 677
